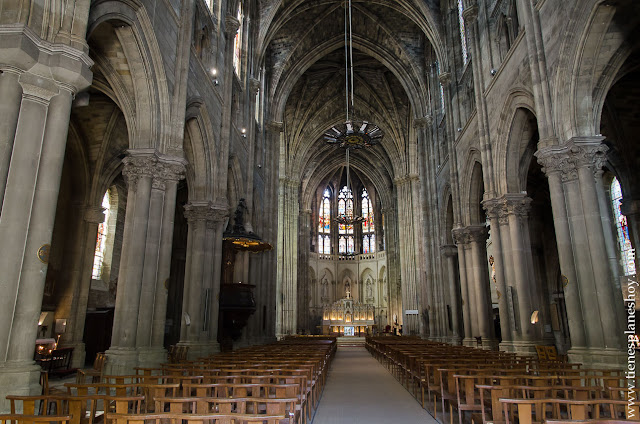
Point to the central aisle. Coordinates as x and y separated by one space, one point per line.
361 390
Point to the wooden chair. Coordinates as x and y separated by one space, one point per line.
30 419
95 372
169 418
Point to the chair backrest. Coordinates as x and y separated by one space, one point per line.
552 353
542 353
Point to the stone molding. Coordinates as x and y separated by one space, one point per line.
445 78
254 85
94 214
470 14
204 211
24 50
275 126
500 208
470 234
148 163
579 152
423 122
449 250
231 25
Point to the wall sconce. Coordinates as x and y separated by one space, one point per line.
244 133
534 317
214 74
493 72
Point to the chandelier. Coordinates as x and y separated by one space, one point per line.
355 133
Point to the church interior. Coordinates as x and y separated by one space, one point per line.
225 178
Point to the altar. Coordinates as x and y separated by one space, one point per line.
347 317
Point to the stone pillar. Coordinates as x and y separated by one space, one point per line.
494 212
450 252
157 261
478 239
581 245
11 95
287 271
198 214
516 207
468 318
81 283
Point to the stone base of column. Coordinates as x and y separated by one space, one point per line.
490 344
151 357
454 340
196 349
599 357
79 354
470 342
18 379
121 361
506 346
525 347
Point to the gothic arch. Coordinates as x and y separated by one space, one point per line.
472 186
131 25
520 150
198 141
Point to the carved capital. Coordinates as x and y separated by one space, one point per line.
196 211
517 204
423 122
94 214
138 165
449 250
579 152
275 126
254 85
171 169
470 14
445 78
477 233
493 207
231 25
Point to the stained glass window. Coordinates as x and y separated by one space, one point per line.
345 208
101 240
368 227
463 39
324 223
237 43
627 254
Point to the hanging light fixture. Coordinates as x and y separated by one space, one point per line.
355 133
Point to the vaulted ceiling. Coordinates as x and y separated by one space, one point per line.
302 43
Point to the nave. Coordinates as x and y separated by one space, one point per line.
361 390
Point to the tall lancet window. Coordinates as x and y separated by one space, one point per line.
324 224
237 43
463 37
368 228
627 254
101 241
346 243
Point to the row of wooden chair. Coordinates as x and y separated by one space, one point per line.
496 387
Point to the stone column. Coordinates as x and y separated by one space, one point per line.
516 207
157 261
581 246
11 95
198 214
468 318
138 172
216 226
494 212
450 252
478 235
79 297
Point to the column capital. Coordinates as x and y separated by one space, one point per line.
254 85
578 152
231 25
205 211
422 122
517 204
445 78
449 250
94 214
470 234
470 14
138 165
275 126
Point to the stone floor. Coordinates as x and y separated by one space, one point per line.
360 390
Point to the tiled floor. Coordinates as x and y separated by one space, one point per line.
360 390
